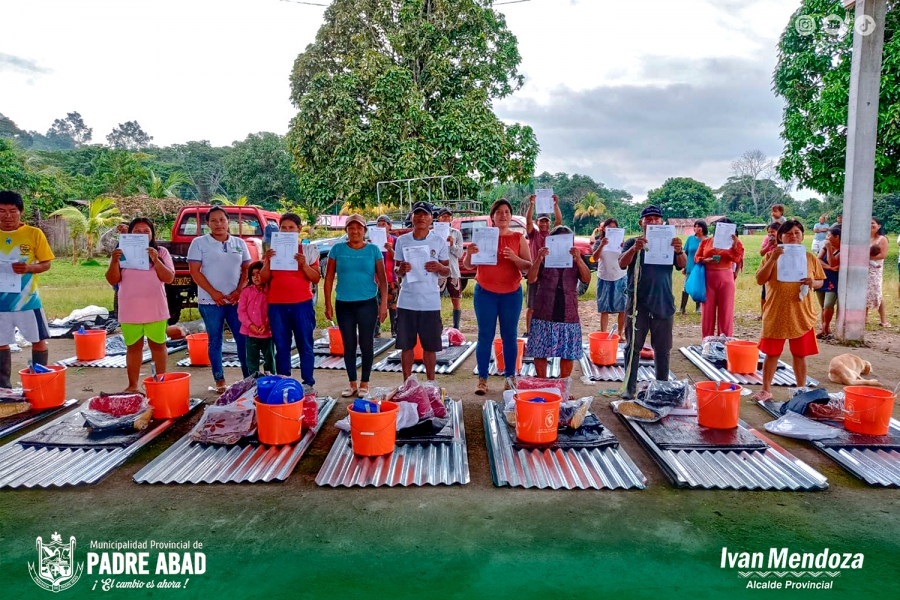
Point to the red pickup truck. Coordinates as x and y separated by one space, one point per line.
246 222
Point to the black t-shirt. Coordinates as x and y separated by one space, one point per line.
654 286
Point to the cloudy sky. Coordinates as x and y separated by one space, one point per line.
628 92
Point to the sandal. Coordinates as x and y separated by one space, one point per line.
761 396
363 390
349 392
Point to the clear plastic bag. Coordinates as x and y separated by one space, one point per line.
407 416
413 391
656 399
713 349
797 426
112 413
573 412
533 383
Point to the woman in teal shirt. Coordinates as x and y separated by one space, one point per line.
359 267
690 248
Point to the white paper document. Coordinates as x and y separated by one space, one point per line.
285 244
416 256
543 201
559 247
10 282
378 236
659 250
792 265
442 230
616 238
722 238
134 251
488 240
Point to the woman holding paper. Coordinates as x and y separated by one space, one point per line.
610 277
555 326
143 310
362 299
790 312
498 294
291 310
720 280
691 245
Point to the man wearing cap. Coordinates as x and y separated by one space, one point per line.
453 284
653 309
421 258
537 239
384 222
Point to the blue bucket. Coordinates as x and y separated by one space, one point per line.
264 386
286 391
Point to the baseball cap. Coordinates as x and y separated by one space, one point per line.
443 210
384 218
355 218
543 216
651 211
422 206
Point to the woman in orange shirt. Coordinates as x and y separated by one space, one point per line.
498 294
720 283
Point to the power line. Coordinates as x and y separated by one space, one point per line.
511 2
306 3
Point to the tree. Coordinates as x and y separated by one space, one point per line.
752 166
590 206
9 130
202 164
129 136
157 187
260 168
812 75
101 214
683 197
226 201
737 196
397 89
71 128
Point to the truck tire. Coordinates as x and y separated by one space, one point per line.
176 303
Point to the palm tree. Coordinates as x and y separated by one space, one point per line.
101 214
590 205
224 200
157 187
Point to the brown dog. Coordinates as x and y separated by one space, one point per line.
847 368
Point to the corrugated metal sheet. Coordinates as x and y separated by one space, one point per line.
111 362
386 366
45 414
189 462
875 466
407 465
321 362
582 469
774 469
527 369
598 373
784 375
59 467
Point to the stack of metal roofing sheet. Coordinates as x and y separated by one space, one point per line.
784 375
190 462
772 469
389 366
528 369
407 465
615 372
47 466
334 362
112 362
875 465
10 425
598 468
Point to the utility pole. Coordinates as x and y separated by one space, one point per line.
859 186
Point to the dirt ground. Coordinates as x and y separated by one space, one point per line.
295 539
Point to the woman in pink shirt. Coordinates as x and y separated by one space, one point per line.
253 311
143 310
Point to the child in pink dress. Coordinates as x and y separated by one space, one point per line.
253 312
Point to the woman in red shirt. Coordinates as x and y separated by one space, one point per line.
498 294
720 283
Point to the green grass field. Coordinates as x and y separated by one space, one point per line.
67 287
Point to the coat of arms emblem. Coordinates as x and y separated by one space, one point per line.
55 569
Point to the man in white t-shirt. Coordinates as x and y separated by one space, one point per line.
820 231
420 258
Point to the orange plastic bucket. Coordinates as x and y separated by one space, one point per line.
171 397
718 408
90 345
743 357
868 409
44 390
374 434
537 422
498 355
279 424
603 348
198 349
335 341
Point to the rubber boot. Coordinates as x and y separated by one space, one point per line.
40 357
456 315
393 315
5 369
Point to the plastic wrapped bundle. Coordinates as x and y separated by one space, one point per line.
111 413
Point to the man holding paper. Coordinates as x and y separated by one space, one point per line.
24 252
537 239
393 286
421 257
718 254
455 248
650 305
